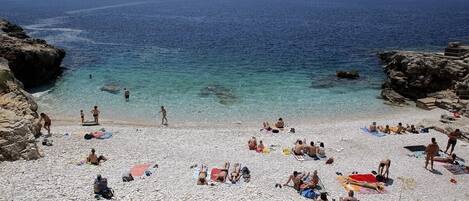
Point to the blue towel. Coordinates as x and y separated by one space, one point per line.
376 134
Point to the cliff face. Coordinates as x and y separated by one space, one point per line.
24 62
32 61
414 75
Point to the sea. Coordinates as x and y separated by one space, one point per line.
229 61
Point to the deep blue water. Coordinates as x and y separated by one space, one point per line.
265 58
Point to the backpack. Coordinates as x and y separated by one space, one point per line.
245 171
88 136
308 193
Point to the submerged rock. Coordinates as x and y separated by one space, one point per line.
224 95
348 74
111 88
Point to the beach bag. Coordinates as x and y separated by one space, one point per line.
245 171
88 136
275 131
292 130
107 193
308 193
379 178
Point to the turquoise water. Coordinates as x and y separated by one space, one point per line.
225 61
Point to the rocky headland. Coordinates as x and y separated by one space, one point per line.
430 79
24 63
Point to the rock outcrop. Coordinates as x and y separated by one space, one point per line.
24 62
416 75
18 118
347 74
32 61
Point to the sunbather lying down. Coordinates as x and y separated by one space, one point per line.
202 180
375 186
235 174
449 159
221 177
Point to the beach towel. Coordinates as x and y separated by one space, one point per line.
213 174
104 135
364 178
415 148
139 170
358 189
376 133
309 193
421 154
286 151
456 169
299 157
97 134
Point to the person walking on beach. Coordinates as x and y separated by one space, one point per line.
431 150
95 113
82 116
452 139
164 120
47 122
126 94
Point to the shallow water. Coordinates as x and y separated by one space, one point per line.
220 60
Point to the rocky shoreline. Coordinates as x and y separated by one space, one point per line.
24 63
431 79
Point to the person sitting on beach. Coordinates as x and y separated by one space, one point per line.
298 148
385 129
431 151
297 179
400 128
221 176
413 130
383 168
260 147
311 150
252 143
372 127
266 126
349 197
100 187
280 124
202 180
321 152
47 122
82 116
95 113
236 174
448 159
94 159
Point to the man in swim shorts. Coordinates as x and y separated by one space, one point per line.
94 159
95 113
452 139
311 150
280 124
383 168
297 179
164 120
373 127
298 149
431 150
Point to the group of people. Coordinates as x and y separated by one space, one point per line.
94 111
278 126
234 176
252 145
433 149
301 148
399 129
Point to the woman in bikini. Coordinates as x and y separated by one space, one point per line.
236 174
202 180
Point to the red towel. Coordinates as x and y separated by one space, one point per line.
364 178
138 170
214 173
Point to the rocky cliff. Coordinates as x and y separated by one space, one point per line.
32 61
24 62
416 75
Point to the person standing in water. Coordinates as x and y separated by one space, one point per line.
95 113
47 122
164 120
82 116
126 94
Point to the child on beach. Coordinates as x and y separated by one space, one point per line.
260 147
82 115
